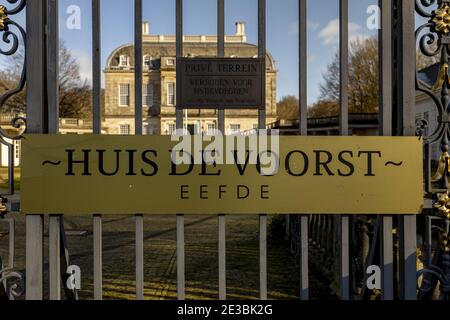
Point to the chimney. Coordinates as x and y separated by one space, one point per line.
145 28
240 28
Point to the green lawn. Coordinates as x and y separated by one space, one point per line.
5 184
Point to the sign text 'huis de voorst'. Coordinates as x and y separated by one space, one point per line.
89 174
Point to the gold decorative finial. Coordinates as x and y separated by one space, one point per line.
3 17
441 19
442 205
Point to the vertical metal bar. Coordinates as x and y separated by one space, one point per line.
262 55
53 127
407 224
263 256
303 122
344 131
180 258
428 240
139 257
385 89
221 128
385 62
222 259
179 114
12 239
220 28
345 260
138 83
221 54
96 67
138 61
303 72
179 53
262 126
388 260
35 56
97 128
54 257
304 274
34 257
343 56
98 265
408 257
53 65
11 165
36 80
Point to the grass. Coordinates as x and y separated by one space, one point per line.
5 184
160 269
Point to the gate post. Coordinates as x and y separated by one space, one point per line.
405 107
36 123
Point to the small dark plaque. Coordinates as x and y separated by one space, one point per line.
220 83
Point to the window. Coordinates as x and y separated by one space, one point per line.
211 129
170 62
235 128
124 61
171 128
124 129
147 62
147 92
171 94
124 95
17 149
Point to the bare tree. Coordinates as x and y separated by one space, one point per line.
74 93
363 79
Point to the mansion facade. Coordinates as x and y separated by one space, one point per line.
159 86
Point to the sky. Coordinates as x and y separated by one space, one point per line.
200 18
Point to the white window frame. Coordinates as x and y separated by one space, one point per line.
171 101
121 132
149 59
124 95
211 131
124 60
171 128
170 61
233 131
147 95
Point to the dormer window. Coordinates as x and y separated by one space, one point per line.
147 62
124 61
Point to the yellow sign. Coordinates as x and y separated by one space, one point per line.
88 174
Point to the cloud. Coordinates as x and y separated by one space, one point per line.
330 34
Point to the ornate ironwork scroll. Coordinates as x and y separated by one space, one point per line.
433 41
13 35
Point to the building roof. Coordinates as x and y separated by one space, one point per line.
157 50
